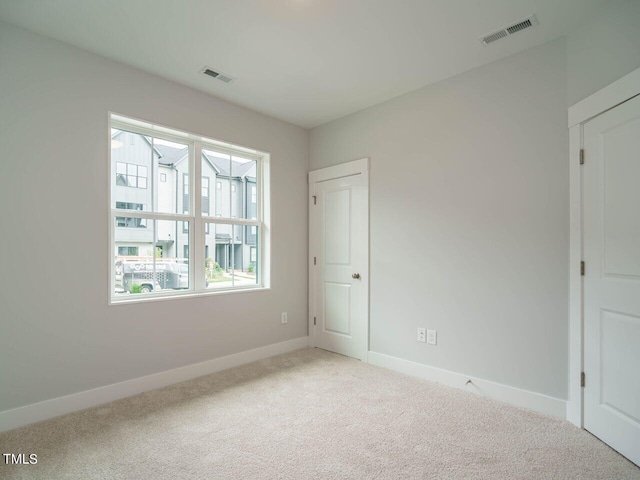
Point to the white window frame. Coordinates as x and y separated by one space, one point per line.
197 239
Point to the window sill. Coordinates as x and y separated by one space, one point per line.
150 297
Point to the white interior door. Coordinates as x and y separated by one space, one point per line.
611 180
339 247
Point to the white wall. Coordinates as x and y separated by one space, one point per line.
57 334
469 179
603 50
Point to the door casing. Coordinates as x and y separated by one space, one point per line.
612 95
355 167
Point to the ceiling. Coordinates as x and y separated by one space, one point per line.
303 61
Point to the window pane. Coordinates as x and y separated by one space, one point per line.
131 206
231 262
131 222
173 165
130 154
152 259
216 166
244 199
206 200
138 162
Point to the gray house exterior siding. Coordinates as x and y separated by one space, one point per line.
231 193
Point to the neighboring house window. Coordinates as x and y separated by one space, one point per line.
156 213
185 192
185 200
131 175
205 201
130 222
128 251
205 196
252 200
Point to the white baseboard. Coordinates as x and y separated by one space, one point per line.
36 412
554 407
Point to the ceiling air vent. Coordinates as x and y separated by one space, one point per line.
509 30
223 77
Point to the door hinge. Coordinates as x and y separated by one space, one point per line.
314 321
582 156
582 269
314 260
314 199
582 379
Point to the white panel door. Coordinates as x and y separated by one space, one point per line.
339 246
612 278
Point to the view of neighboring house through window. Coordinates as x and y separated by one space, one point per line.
234 216
156 206
185 200
128 251
131 175
205 201
131 222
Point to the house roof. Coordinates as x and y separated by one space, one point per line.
170 155
116 133
244 169
238 169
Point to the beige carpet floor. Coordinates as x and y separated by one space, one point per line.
305 415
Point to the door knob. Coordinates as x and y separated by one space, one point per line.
355 275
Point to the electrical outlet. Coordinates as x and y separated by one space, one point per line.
422 334
432 337
283 318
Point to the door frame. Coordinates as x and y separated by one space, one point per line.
355 167
605 99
